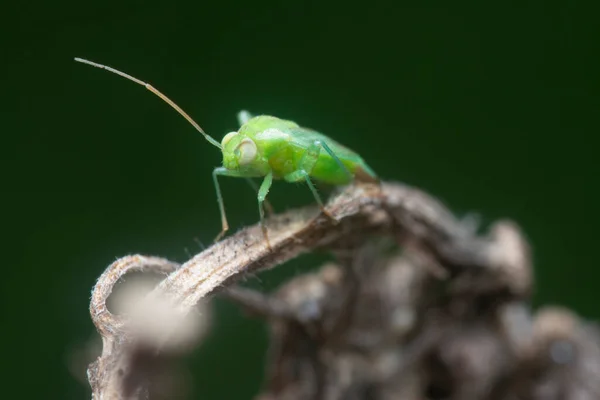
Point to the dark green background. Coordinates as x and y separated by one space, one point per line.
491 108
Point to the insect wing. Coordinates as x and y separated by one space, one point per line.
304 137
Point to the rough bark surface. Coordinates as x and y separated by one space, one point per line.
418 305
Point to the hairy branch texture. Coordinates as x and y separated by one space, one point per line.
446 318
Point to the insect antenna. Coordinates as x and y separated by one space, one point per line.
156 92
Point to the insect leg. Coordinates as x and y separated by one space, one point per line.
268 205
307 163
310 157
262 194
336 158
300 175
222 172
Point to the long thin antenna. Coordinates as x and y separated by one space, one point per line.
156 92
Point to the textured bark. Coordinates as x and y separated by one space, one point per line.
444 318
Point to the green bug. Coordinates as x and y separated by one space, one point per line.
274 148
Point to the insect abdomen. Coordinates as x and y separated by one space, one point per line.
328 170
285 151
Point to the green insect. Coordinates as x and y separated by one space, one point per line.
273 148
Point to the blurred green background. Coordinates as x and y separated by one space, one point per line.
491 108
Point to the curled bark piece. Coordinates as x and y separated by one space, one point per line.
106 374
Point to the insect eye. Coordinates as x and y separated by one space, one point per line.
227 138
247 151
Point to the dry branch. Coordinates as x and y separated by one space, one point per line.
477 312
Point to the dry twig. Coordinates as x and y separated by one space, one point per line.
421 325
